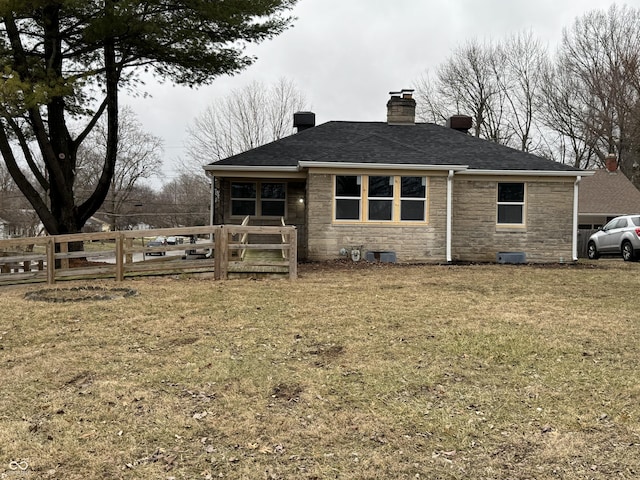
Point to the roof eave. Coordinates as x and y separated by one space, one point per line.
243 170
529 173
380 166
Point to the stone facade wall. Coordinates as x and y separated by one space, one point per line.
546 237
411 242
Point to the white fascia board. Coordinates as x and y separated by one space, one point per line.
531 173
382 166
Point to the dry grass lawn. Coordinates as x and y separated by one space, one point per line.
433 372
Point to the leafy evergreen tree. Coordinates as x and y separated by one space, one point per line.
62 63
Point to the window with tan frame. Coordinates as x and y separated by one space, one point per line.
380 198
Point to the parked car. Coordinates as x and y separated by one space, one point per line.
175 240
621 236
158 242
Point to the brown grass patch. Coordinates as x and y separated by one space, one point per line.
351 372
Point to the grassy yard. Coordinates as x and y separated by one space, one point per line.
432 372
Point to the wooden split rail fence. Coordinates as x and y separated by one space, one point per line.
128 253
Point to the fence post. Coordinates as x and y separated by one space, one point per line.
221 253
51 261
119 257
293 253
64 262
129 245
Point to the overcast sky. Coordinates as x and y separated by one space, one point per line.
347 55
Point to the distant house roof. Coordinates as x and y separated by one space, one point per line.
608 193
379 143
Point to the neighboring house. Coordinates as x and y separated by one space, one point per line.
4 229
95 224
410 191
605 195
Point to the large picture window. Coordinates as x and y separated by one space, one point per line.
266 199
380 198
511 203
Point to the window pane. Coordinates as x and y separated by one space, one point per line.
272 208
347 186
380 209
272 190
412 210
509 213
347 209
243 207
622 223
380 187
511 192
243 190
413 187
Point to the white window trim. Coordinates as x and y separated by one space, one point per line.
522 204
360 199
413 199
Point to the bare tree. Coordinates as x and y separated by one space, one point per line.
185 201
430 105
562 116
467 82
138 158
601 52
519 74
245 119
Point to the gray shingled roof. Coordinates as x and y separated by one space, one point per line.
608 193
379 142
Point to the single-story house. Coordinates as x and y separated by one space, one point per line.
410 191
605 195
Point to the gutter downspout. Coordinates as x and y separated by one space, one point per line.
213 199
213 206
449 213
575 219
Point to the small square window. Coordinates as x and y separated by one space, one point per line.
510 203
243 198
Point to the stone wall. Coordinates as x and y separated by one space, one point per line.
410 242
548 232
546 237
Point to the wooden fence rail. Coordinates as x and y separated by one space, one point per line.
128 253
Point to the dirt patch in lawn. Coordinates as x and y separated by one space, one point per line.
79 294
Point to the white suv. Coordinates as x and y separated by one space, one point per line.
620 236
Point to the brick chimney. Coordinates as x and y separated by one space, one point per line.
611 162
401 108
